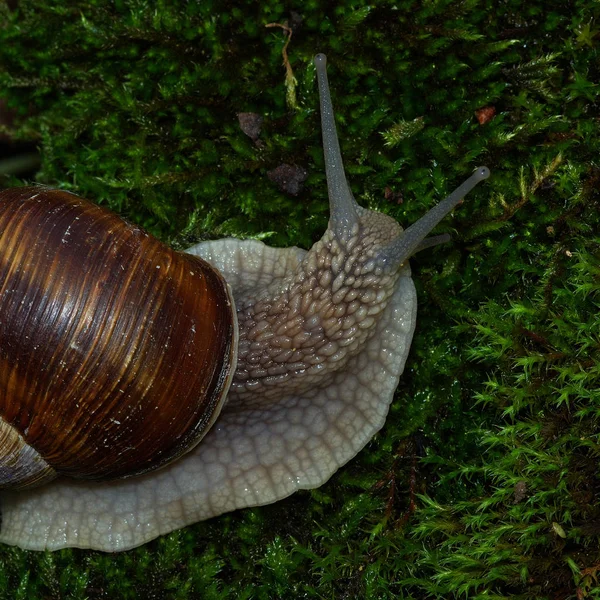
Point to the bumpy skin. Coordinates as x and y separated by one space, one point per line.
257 452
311 322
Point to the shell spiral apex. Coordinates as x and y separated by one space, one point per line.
196 383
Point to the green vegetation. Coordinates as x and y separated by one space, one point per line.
484 482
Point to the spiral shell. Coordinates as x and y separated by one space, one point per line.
116 352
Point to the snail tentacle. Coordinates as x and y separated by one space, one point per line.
411 240
343 207
432 241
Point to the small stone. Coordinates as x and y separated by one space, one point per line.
250 124
288 178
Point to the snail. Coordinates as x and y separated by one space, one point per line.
238 374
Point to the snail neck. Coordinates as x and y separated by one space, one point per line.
296 334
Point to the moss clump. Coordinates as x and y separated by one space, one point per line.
483 483
530 523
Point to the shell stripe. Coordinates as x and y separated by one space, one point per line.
111 344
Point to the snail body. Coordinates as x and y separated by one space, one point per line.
323 338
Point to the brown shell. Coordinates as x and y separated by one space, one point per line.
115 351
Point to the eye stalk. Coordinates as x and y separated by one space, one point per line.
342 205
414 238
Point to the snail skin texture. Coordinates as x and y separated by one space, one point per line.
323 338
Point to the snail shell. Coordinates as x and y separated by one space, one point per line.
323 338
115 351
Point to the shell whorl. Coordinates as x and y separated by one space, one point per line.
115 351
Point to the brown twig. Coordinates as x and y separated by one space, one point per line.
286 61
290 80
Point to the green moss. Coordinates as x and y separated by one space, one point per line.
494 431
